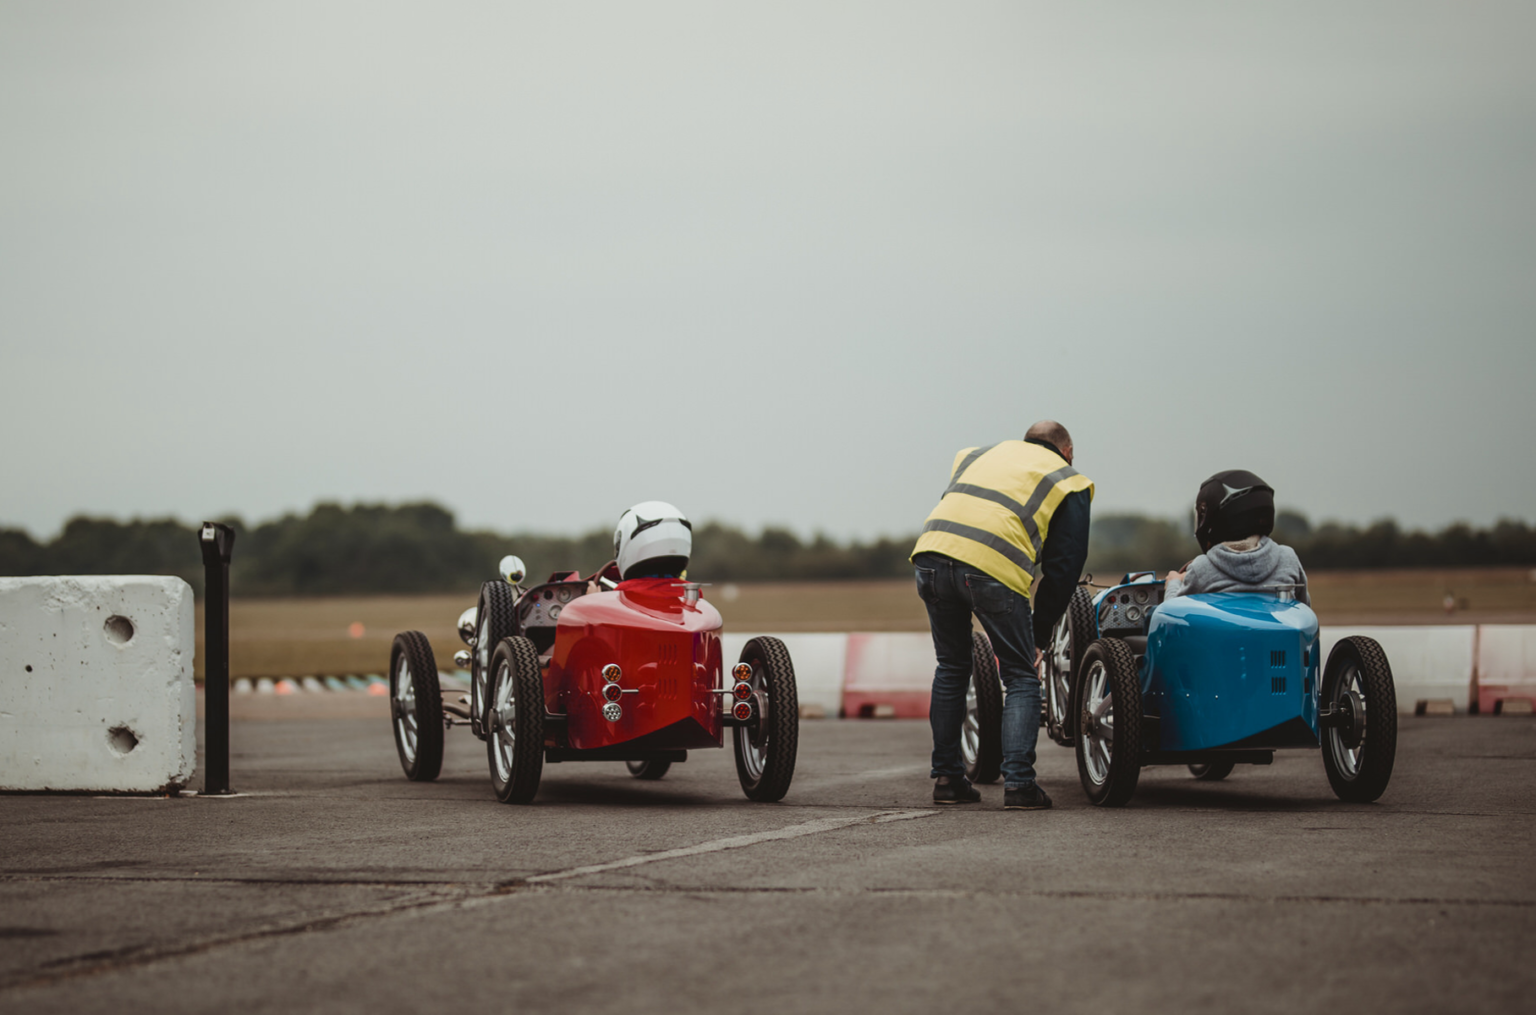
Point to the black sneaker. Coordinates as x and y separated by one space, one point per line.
955 789
1031 799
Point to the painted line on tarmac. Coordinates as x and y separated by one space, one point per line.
734 842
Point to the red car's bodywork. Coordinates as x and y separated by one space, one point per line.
668 651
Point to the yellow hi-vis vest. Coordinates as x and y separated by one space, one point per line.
998 508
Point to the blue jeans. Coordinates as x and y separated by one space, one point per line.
953 591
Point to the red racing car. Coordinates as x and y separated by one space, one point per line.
602 668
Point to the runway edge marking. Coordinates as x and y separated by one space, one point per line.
734 842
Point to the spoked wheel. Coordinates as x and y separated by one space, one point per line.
765 750
1109 731
648 769
981 737
416 706
495 619
515 721
1069 639
1212 771
1359 753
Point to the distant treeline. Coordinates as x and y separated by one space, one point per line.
413 548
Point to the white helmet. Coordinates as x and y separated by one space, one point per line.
653 533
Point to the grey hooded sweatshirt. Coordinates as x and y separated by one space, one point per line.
1225 569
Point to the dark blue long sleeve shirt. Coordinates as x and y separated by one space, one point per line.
1061 562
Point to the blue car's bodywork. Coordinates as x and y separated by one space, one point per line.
1226 671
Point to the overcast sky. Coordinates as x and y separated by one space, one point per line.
775 262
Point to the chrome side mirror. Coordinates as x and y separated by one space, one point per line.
512 569
467 625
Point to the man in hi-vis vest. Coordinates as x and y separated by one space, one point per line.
1014 517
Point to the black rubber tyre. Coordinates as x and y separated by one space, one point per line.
515 721
1063 658
1359 758
1109 730
981 738
416 706
1212 771
495 619
648 769
765 751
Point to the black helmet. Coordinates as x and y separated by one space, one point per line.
1233 505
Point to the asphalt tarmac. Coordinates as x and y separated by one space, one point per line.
332 884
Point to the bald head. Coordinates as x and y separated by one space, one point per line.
1052 433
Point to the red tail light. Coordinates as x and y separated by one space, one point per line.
742 691
743 710
613 692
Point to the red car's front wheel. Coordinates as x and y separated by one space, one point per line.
515 721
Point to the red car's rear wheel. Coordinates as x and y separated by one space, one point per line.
765 750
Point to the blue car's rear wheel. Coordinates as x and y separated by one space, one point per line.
981 735
1109 725
1359 753
1062 659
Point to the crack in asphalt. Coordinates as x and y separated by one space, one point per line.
429 900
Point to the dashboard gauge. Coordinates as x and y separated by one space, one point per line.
1141 597
1134 613
565 595
554 611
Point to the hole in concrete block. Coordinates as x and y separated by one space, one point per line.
119 629
122 739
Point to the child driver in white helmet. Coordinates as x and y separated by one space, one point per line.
651 544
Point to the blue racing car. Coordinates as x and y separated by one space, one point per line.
1210 681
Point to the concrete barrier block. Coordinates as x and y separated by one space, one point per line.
1427 662
888 675
1506 667
818 660
96 690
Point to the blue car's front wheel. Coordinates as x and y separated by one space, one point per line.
1109 723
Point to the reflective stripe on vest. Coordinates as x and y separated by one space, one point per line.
996 512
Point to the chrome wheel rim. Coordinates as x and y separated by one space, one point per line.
1345 758
504 721
754 745
970 731
1099 722
405 709
1059 662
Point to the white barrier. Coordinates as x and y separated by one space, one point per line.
96 689
1428 663
818 660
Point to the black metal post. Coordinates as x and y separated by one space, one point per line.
218 545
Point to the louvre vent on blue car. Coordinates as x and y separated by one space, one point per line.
1306 686
1277 685
1277 657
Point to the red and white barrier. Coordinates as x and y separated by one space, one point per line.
1505 660
891 674
888 675
1431 663
818 661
